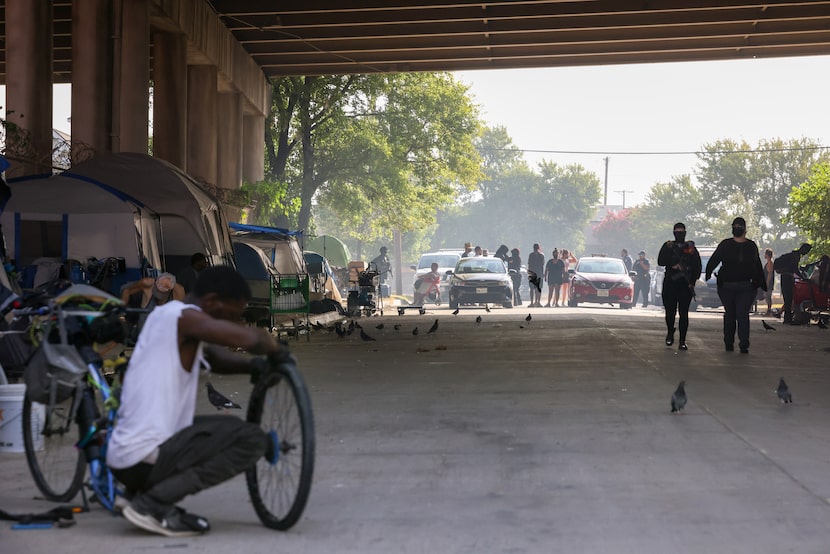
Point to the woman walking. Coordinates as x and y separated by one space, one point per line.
682 262
739 277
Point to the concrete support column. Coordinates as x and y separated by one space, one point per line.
91 78
132 77
229 140
253 148
201 121
28 87
170 98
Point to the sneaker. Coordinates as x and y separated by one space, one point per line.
730 347
170 521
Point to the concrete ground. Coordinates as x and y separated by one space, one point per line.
548 436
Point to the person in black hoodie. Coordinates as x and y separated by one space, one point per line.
739 277
787 266
682 262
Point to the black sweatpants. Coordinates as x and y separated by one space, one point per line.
677 296
787 291
737 298
212 450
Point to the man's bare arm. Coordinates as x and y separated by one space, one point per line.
197 325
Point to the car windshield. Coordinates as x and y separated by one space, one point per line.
443 260
613 267
481 265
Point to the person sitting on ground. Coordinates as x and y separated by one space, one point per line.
159 450
425 283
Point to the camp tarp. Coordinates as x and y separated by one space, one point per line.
331 248
281 246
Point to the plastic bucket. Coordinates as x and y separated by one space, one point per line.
11 419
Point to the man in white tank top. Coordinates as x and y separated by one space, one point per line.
158 450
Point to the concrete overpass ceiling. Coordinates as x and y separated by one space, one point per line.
366 36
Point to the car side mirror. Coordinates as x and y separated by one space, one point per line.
571 271
413 267
632 273
449 272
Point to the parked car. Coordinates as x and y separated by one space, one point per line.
601 280
480 280
706 292
446 262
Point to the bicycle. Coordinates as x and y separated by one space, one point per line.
78 390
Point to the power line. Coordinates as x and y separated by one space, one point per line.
646 153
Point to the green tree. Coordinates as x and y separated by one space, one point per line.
613 232
809 208
666 204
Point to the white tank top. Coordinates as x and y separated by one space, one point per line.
158 397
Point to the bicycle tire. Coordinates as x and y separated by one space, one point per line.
57 468
280 405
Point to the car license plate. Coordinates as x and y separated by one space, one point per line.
481 290
602 293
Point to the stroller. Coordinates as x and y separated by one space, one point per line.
811 293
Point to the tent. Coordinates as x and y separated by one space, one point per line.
331 248
281 247
127 205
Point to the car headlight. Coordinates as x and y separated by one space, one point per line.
580 281
456 282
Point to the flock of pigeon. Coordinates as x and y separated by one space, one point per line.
678 397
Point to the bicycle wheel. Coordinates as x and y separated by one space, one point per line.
49 441
279 489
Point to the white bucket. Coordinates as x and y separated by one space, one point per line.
11 419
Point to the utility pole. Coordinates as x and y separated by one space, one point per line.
605 200
623 192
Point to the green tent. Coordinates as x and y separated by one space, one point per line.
330 248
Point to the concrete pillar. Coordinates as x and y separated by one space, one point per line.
91 78
201 121
229 140
132 77
28 87
253 148
170 98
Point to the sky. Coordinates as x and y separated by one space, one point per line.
607 111
666 107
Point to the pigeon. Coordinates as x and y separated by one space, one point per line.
678 398
340 331
783 392
422 311
379 326
534 280
478 319
821 324
364 336
528 318
415 331
767 326
318 326
433 328
220 400
397 327
487 308
456 311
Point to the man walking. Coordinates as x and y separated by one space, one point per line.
642 282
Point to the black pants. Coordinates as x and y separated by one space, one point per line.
517 283
641 286
787 290
677 296
212 450
737 298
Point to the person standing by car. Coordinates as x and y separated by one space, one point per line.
629 263
468 250
536 264
769 278
642 281
514 266
554 273
501 253
787 266
739 277
682 262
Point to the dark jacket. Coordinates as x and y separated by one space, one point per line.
685 254
740 262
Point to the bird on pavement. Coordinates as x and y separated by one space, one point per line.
415 331
478 319
397 327
528 318
220 400
456 311
783 392
341 332
379 326
487 308
364 336
678 398
821 324
534 280
433 328
767 326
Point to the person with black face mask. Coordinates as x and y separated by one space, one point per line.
682 262
740 275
